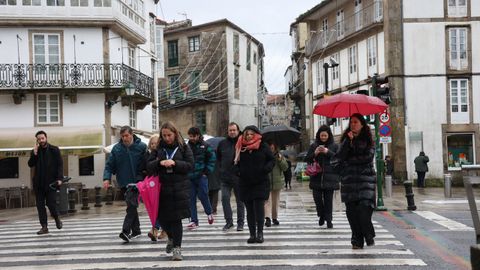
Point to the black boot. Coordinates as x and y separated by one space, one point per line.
260 235
268 222
58 222
43 230
252 238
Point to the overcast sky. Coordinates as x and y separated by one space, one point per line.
267 20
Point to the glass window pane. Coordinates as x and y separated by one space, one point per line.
42 119
74 3
107 3
26 2
3 2
36 3
84 3
54 119
451 3
454 108
12 2
460 150
97 3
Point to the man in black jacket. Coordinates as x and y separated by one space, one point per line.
225 156
48 176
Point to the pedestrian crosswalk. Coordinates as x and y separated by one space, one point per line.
296 242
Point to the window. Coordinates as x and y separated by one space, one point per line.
201 121
9 167
249 48
131 56
336 70
8 2
236 79
46 50
56 3
48 108
86 165
372 55
352 59
460 150
173 83
236 48
459 95
458 48
102 3
132 112
319 75
32 2
325 31
378 10
340 24
173 53
358 15
457 8
194 44
254 58
79 3
194 83
154 118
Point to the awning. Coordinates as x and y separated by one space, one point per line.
82 140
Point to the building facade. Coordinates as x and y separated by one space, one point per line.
214 75
78 69
426 50
278 110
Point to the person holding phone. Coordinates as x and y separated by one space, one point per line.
48 164
326 182
356 155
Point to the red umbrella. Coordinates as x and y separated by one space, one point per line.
344 105
149 190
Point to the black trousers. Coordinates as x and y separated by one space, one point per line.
255 215
360 219
288 180
131 223
174 231
324 203
213 197
421 179
49 197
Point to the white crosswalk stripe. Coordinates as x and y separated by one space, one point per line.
94 244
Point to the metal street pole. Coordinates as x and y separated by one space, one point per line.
378 155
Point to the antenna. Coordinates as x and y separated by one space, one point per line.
183 14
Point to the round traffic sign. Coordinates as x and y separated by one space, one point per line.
385 130
384 117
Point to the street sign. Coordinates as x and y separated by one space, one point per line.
384 117
385 130
386 139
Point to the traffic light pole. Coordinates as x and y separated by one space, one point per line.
378 155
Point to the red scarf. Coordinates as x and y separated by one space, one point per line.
243 145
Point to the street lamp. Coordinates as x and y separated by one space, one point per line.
171 99
130 89
333 63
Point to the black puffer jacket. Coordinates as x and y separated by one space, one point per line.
254 167
357 174
225 155
328 178
174 201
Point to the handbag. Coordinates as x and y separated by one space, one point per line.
313 169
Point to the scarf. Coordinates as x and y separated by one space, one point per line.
242 145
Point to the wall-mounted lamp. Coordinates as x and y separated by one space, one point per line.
172 99
129 92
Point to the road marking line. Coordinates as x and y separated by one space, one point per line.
443 221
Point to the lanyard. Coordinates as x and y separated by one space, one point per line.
173 153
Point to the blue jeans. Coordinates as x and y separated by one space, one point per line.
199 187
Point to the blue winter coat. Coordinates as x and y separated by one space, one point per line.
127 163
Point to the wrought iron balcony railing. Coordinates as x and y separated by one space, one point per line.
74 76
362 19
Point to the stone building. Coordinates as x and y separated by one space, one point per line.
213 75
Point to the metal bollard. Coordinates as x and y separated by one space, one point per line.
109 196
98 197
85 199
71 200
409 195
388 185
447 185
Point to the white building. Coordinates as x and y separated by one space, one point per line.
427 50
65 67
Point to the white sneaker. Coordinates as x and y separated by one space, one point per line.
210 219
177 254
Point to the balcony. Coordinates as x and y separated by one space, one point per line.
364 19
74 77
125 17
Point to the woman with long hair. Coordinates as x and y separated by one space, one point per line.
173 161
255 161
327 181
356 155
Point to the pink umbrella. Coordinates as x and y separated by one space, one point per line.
149 190
344 105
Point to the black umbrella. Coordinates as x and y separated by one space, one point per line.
213 142
281 135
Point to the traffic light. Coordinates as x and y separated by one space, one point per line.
381 88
